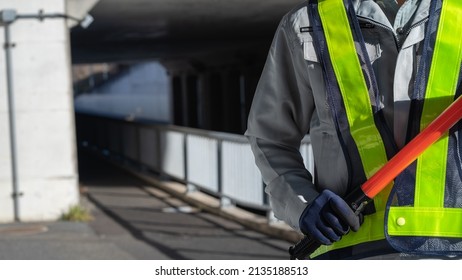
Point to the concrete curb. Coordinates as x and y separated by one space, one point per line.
211 204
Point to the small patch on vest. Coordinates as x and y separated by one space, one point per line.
306 29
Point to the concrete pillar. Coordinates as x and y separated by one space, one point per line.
242 102
192 101
249 81
45 133
204 101
176 90
216 101
231 101
184 99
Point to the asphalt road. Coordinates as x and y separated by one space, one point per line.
153 225
132 220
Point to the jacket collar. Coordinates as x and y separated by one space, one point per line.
423 11
370 10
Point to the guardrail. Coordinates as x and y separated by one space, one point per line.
220 164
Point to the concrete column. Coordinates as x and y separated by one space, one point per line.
176 91
242 102
250 77
231 101
45 133
204 101
184 99
192 101
216 101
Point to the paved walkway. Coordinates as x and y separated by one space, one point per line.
133 220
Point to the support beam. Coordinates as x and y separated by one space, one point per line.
43 114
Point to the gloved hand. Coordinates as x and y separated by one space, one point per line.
328 218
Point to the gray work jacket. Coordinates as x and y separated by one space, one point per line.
291 101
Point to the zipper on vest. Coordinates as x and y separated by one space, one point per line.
420 22
413 126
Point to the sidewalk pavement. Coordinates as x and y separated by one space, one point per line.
135 220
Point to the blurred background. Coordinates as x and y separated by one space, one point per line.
128 117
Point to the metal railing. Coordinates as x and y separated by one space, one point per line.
220 164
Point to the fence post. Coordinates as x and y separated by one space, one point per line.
224 200
189 186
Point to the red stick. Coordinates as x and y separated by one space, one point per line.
410 152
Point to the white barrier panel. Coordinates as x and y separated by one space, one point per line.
241 179
149 147
202 161
220 163
172 153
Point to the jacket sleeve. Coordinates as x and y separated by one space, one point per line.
280 117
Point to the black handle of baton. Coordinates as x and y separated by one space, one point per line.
303 248
357 200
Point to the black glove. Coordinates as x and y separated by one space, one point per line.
328 218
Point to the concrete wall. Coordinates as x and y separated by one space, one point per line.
46 153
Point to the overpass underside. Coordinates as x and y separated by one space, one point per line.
212 51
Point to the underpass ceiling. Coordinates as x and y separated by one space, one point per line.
125 30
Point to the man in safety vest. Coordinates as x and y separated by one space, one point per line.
363 78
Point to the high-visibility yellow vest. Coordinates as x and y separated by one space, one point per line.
418 213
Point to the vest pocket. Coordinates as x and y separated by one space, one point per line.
372 48
371 42
309 52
